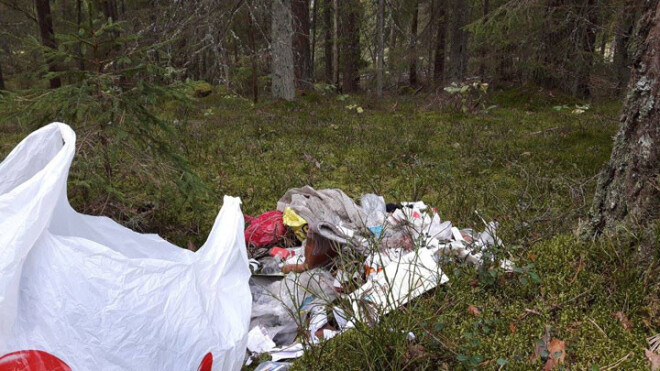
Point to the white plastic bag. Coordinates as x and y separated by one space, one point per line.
98 296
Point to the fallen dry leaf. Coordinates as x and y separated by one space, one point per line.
557 351
474 310
512 327
654 358
627 325
528 312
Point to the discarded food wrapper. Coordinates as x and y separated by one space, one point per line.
375 208
264 230
295 222
377 230
280 252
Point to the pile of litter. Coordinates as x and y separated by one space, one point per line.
322 263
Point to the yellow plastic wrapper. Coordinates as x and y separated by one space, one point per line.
295 222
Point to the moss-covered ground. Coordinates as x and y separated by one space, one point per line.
525 164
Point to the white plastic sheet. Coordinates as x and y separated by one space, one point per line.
98 296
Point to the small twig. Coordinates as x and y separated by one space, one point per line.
616 364
599 328
528 312
543 131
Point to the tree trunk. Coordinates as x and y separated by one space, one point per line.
624 31
392 32
603 44
335 42
327 43
350 46
412 55
380 58
45 18
312 60
283 85
484 50
110 9
253 59
301 55
553 53
2 80
225 61
63 7
439 62
79 19
628 190
588 47
430 48
457 40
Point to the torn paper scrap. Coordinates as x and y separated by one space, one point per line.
289 352
258 341
409 277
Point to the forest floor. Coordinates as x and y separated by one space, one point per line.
527 164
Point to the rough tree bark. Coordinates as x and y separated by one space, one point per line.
350 46
586 49
282 51
45 19
625 25
301 52
628 190
412 55
439 62
2 80
312 59
110 9
79 19
393 33
458 40
482 62
253 59
553 54
380 59
327 40
335 42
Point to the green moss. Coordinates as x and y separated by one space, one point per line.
528 166
574 301
201 89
